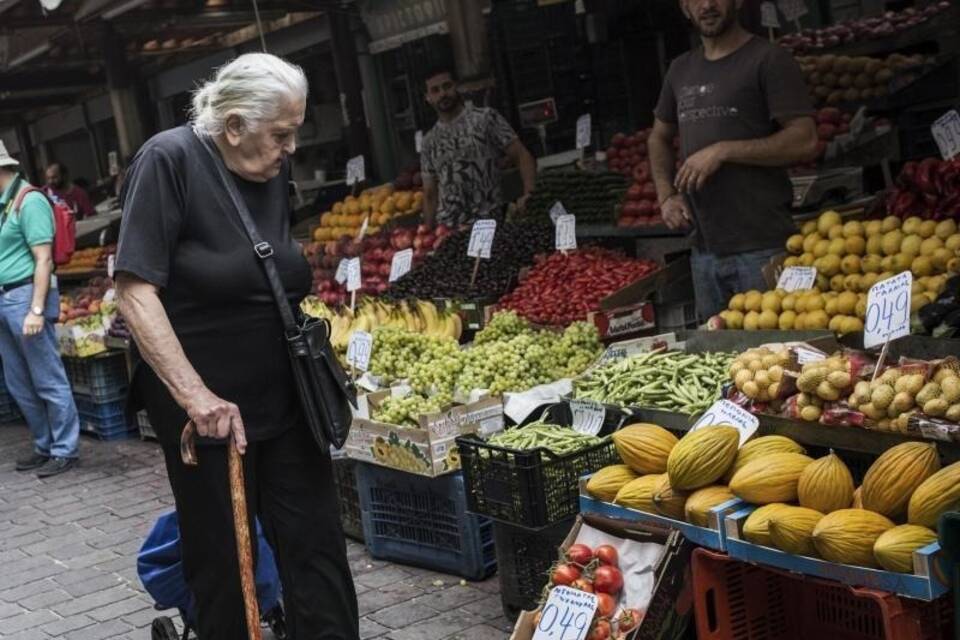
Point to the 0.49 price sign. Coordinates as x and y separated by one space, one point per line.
888 310
567 615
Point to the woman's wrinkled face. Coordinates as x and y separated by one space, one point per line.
258 154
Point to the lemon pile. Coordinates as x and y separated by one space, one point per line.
850 258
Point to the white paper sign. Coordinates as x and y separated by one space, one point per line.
358 350
584 131
797 278
418 141
858 121
353 274
111 265
792 9
725 412
481 239
768 15
113 161
566 233
356 171
888 310
567 615
556 211
110 295
946 131
806 356
363 228
587 416
400 264
341 275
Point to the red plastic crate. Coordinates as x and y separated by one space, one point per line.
735 600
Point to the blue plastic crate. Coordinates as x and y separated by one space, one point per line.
103 378
88 408
108 428
424 522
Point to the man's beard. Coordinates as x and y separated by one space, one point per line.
721 25
446 105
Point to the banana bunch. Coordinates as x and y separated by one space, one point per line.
418 316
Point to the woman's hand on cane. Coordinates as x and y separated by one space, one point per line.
214 417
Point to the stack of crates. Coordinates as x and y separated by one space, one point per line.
100 390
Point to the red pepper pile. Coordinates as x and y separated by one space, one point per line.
929 189
562 289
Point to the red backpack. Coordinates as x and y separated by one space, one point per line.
64 225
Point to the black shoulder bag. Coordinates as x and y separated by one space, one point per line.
326 392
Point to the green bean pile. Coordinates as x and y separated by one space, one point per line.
558 439
673 381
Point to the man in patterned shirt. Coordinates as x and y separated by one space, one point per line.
461 156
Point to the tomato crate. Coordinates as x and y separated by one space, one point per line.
533 488
524 559
421 521
103 378
734 600
345 481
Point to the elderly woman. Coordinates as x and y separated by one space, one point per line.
198 303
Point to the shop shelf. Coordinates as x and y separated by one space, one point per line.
422 521
532 488
103 378
734 600
524 559
345 480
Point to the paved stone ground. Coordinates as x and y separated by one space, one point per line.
68 550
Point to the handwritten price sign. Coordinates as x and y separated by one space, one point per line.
587 416
400 264
556 211
888 310
356 171
768 16
584 131
341 275
481 239
358 350
792 9
946 131
566 233
797 278
725 412
567 615
353 274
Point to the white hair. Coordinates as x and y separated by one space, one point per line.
253 86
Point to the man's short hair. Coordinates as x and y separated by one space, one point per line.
439 69
59 165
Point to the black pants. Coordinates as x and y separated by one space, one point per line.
289 486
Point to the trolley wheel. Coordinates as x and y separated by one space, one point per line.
163 629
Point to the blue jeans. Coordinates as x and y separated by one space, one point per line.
35 375
717 278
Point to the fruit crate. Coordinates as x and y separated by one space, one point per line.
107 429
144 426
345 481
734 600
532 488
524 559
102 378
424 522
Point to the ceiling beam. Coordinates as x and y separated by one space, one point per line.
68 80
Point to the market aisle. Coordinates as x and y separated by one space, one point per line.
68 548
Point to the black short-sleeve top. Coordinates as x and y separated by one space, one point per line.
181 233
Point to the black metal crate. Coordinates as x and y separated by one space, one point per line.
524 559
345 481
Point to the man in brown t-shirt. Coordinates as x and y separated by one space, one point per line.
743 113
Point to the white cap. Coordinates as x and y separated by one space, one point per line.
6 160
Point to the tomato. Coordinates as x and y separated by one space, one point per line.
630 619
564 574
619 140
608 579
606 554
606 605
580 554
601 631
582 584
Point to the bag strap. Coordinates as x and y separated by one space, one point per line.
261 247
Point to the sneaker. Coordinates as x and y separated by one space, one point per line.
31 462
55 467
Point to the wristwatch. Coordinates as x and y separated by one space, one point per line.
37 311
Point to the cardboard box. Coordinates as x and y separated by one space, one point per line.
624 321
669 610
428 449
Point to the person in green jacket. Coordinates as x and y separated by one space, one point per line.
29 306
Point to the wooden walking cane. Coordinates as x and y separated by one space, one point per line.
238 498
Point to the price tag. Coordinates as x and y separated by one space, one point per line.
556 211
946 131
111 265
418 141
113 161
358 350
587 416
110 295
481 239
612 354
725 412
768 15
792 9
797 278
565 234
567 615
400 264
353 274
805 356
363 228
857 122
584 131
888 310
356 171
341 275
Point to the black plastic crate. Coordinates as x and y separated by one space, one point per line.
524 559
532 488
101 378
345 481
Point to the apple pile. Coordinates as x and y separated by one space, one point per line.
862 29
85 301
